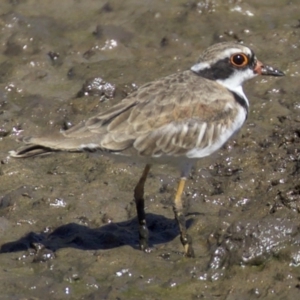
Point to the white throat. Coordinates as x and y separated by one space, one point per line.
235 81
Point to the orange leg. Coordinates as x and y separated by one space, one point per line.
140 208
185 239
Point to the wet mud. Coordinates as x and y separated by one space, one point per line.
68 227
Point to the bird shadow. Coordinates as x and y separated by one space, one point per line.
109 236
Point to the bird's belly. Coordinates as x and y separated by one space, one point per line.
224 136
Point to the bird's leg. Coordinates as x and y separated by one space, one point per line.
185 239
140 208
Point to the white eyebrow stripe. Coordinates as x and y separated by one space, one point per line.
200 66
225 54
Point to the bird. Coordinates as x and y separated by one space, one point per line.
175 120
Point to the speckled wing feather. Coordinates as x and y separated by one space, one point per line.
162 118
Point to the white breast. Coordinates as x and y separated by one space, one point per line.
225 133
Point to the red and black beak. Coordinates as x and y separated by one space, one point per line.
266 70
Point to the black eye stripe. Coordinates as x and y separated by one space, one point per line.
252 59
223 68
219 70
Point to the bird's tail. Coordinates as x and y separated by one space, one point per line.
35 146
30 150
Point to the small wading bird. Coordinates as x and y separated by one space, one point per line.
176 119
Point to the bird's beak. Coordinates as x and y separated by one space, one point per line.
266 70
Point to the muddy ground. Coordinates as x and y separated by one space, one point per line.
67 222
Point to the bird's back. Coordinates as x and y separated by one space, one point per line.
166 117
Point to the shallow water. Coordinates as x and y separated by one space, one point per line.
67 222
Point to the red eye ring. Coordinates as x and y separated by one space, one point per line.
239 60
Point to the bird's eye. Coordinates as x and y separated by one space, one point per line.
239 60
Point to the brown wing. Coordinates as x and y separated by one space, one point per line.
164 117
168 116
